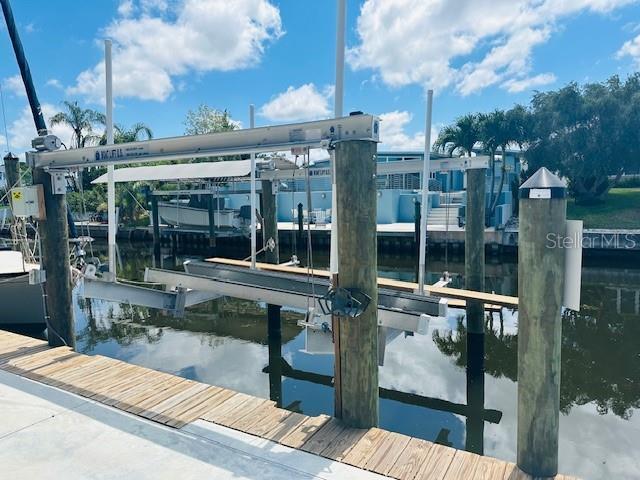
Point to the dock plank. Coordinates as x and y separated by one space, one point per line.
272 422
463 466
387 453
366 447
437 463
410 460
304 431
325 435
489 468
341 446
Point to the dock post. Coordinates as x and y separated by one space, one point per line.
270 230
543 208
416 234
357 345
212 223
270 216
300 226
474 246
155 219
54 238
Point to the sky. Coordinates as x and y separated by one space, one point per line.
172 55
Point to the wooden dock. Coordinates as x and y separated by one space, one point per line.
175 402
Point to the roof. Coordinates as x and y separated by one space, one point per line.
182 171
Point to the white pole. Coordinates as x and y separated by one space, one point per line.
424 211
338 100
253 193
111 187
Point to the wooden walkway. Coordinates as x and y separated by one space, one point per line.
457 297
175 401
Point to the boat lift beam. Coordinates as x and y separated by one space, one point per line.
399 310
316 134
174 301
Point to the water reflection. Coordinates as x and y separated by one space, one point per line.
431 386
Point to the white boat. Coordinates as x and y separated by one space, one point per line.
177 214
22 303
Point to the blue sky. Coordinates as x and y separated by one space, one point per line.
172 55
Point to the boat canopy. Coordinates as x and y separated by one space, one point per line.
183 171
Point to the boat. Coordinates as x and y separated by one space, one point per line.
191 216
22 303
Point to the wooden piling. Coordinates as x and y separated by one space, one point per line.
54 238
270 216
474 246
155 219
540 287
355 162
212 221
300 238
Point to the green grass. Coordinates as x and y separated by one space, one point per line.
620 210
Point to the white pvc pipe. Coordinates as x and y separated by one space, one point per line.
253 193
111 187
424 211
338 106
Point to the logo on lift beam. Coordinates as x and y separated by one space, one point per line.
110 154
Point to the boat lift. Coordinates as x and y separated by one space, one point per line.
399 310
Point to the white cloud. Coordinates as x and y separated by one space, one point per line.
55 83
298 104
22 130
393 134
519 85
630 48
14 85
155 41
430 43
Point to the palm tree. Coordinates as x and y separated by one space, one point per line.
138 131
81 120
491 126
461 136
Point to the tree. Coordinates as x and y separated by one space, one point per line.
587 134
82 121
138 131
208 120
461 136
491 134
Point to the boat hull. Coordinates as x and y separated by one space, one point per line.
183 216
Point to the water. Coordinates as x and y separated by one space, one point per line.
427 389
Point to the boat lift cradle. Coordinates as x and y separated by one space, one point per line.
315 134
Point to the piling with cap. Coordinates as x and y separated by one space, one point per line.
543 208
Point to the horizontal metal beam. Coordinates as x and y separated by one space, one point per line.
386 168
259 286
316 134
143 296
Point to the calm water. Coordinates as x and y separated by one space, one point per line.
428 391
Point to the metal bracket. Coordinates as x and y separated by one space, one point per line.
59 182
344 302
